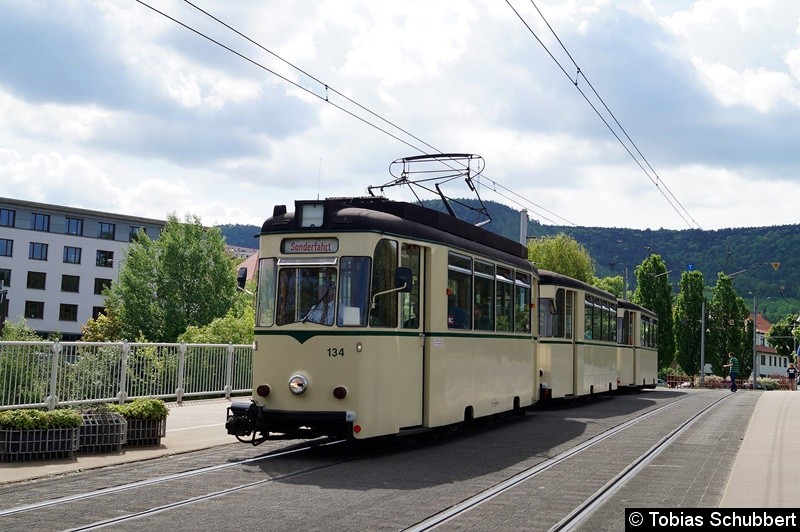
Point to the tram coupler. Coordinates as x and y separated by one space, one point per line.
242 419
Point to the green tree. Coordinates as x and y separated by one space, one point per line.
19 331
236 327
610 284
561 254
183 278
782 337
688 316
104 328
727 325
654 292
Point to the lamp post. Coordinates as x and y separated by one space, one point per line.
703 343
755 361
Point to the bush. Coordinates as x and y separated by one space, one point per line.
27 419
143 408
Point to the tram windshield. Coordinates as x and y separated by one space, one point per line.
322 292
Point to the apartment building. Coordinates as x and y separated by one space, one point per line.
55 262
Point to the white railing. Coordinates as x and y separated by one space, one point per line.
49 374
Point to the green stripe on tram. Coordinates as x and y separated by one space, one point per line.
303 336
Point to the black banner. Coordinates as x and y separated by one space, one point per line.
639 519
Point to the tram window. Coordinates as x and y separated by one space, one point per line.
353 291
484 296
306 294
459 291
409 301
522 299
383 267
568 298
551 315
588 311
504 300
265 311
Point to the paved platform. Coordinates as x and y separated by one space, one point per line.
191 426
766 472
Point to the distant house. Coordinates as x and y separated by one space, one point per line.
249 265
769 362
55 262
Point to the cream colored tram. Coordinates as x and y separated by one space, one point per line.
637 354
577 352
376 318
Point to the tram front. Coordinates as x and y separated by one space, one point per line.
333 354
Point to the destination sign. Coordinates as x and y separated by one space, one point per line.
310 245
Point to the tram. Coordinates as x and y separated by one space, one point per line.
577 345
376 317
637 354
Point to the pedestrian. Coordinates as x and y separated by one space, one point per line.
733 363
792 374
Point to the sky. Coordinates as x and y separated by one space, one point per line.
112 106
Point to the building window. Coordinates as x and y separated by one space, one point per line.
5 277
6 247
100 285
37 251
34 310
134 234
7 217
96 311
74 226
68 312
4 306
40 222
72 255
107 231
37 280
70 283
105 258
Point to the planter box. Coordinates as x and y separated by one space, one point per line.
102 433
37 444
142 432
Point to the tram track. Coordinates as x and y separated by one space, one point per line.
299 448
574 518
186 499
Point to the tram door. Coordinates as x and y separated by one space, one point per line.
412 337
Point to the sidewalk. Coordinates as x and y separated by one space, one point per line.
766 473
191 426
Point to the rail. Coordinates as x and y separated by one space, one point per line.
51 374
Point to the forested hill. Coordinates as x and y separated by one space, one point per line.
614 249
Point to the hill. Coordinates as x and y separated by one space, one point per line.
777 290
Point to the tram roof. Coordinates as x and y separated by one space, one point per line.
402 219
548 277
624 303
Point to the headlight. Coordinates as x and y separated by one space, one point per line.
298 384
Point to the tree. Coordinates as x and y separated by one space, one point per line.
782 337
561 254
728 328
183 278
610 284
19 331
654 292
688 317
235 327
104 328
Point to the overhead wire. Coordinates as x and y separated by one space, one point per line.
657 181
535 208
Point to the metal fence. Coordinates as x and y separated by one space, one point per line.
49 374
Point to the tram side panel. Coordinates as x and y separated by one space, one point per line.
470 371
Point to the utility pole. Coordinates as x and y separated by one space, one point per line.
703 343
755 361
